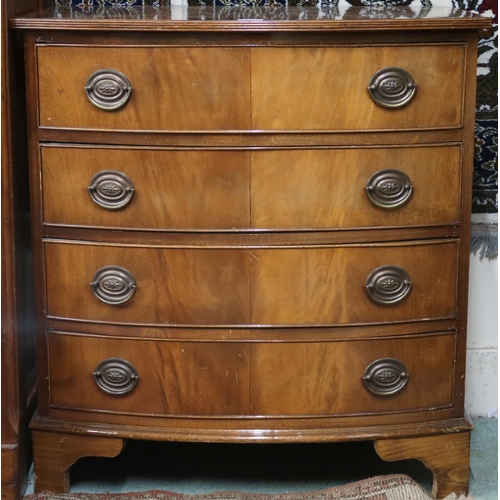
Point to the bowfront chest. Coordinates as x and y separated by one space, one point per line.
252 230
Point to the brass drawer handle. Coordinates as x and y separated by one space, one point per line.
111 189
116 376
108 89
389 188
388 284
113 285
392 87
386 377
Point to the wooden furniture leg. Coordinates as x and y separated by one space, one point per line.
54 453
446 455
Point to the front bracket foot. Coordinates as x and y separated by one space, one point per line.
446 455
54 453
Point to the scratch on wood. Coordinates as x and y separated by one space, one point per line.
255 257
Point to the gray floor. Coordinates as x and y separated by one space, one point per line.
201 468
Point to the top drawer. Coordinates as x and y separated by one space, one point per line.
239 88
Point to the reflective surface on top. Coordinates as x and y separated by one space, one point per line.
233 10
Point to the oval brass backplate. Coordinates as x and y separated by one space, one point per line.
116 376
113 285
111 189
392 87
389 188
388 284
385 377
108 89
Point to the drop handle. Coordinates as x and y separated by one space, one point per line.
389 188
113 285
116 376
108 89
388 285
392 87
385 377
111 189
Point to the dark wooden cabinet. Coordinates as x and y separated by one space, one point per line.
18 313
251 231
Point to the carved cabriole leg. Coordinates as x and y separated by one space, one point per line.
446 455
54 453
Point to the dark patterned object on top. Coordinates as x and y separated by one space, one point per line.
485 186
485 166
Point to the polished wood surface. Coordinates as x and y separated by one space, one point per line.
328 286
195 96
296 18
279 188
268 430
173 189
267 379
327 188
173 88
206 287
263 238
54 453
241 139
447 456
18 331
291 334
340 78
288 286
251 320
64 444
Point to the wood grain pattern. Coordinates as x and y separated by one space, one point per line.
290 188
176 378
327 188
173 285
260 430
447 456
250 321
173 189
17 311
325 378
202 100
54 453
318 286
246 378
327 285
326 88
173 88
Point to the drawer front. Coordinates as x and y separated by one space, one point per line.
174 286
326 88
229 378
172 88
172 189
280 286
328 188
221 88
328 285
273 189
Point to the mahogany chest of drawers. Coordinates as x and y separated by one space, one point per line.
252 231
